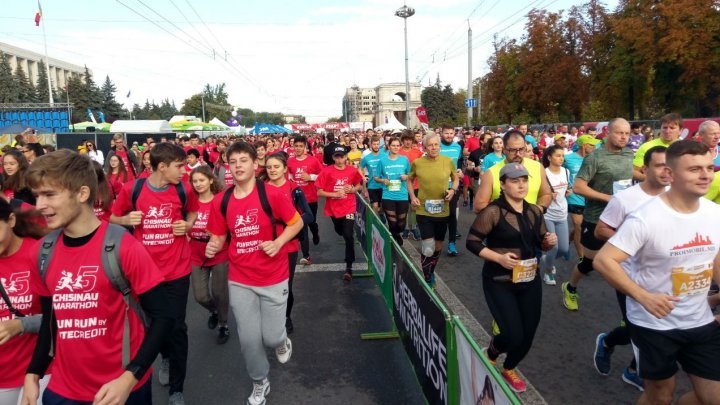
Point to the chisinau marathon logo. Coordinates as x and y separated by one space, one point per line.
74 289
164 211
17 284
698 244
247 219
203 216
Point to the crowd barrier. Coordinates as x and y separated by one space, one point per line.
447 362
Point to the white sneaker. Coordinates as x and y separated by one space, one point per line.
260 391
549 279
164 372
176 399
284 352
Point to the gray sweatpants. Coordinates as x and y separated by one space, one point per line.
260 317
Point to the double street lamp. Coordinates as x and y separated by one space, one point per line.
406 12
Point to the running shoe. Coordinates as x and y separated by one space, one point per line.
306 261
602 356
347 277
223 335
549 279
465 203
432 280
458 235
213 320
316 239
495 328
452 251
405 234
514 381
284 351
487 356
164 372
416 234
632 378
569 299
260 390
289 325
177 398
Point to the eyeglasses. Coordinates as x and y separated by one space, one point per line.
516 150
88 145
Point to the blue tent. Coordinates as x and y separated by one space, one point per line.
266 128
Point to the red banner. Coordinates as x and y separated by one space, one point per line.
422 115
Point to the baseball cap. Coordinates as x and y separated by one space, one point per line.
513 171
587 140
339 150
558 136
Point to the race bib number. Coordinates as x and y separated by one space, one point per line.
394 185
434 206
621 185
692 280
524 271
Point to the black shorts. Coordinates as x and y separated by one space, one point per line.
658 351
375 195
576 209
432 227
587 237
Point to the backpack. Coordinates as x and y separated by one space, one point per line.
112 266
260 185
179 187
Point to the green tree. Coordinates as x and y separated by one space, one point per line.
9 91
25 89
109 106
41 86
441 104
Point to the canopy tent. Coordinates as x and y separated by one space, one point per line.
82 126
215 121
391 124
266 128
141 126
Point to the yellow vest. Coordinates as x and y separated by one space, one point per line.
534 168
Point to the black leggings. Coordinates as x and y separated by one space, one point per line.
292 260
620 336
345 228
396 214
313 226
516 309
452 219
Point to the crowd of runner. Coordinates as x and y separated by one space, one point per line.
88 306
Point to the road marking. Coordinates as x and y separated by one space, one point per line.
332 267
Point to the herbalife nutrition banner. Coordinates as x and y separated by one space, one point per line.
360 222
422 328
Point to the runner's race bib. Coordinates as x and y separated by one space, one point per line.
394 185
524 271
692 280
434 206
621 185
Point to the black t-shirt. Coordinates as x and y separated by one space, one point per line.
476 157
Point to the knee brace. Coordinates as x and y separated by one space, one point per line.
428 247
585 266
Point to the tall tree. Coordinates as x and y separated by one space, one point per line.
109 106
25 89
9 91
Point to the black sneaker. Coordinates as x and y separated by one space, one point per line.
289 325
223 335
316 239
213 321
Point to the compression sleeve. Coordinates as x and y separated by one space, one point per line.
475 245
31 324
41 356
156 306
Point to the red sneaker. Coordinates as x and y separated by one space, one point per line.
514 381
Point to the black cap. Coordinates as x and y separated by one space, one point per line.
339 150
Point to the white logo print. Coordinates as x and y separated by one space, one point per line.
164 211
18 283
203 216
84 281
341 182
250 218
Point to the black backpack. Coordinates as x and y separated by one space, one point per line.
260 185
179 187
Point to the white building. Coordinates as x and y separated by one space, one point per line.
379 103
60 71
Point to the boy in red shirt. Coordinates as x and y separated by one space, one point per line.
304 169
157 216
82 311
259 271
338 184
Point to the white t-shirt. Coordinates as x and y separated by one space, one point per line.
558 209
669 251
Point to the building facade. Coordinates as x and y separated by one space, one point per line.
377 104
60 71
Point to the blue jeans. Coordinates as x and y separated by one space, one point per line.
562 248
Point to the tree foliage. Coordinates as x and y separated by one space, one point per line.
442 104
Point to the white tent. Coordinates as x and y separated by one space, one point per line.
391 124
141 126
216 121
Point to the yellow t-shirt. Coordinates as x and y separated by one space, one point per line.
432 175
713 193
354 157
640 154
534 169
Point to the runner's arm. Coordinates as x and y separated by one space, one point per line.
156 306
638 174
581 188
604 231
41 357
482 197
545 193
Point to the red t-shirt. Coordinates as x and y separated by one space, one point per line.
144 174
123 155
472 143
116 182
199 239
9 194
18 277
413 154
160 209
101 213
287 189
228 176
89 313
249 226
309 165
333 179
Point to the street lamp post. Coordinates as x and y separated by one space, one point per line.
406 12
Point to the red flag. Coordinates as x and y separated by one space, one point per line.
421 115
38 15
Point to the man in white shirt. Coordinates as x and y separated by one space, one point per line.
674 241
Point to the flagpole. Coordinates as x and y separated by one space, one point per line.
47 59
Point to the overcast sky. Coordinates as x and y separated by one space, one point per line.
295 57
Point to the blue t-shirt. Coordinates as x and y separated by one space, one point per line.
717 160
392 170
490 159
573 161
371 162
454 152
531 139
